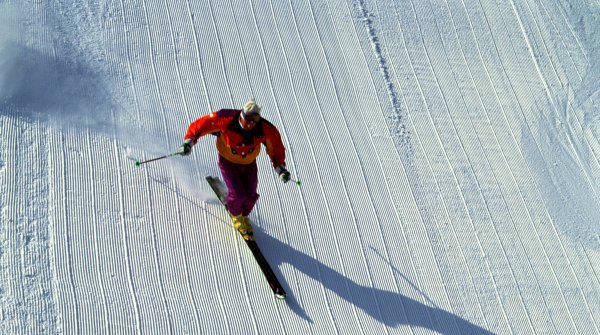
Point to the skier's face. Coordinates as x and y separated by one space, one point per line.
248 121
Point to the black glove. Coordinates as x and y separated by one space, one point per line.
186 148
283 173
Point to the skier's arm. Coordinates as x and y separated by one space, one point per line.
207 124
276 151
275 148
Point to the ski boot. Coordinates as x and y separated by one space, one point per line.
242 225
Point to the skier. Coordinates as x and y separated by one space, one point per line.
239 136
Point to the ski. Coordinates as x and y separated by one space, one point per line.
221 192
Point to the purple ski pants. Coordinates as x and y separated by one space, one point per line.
242 182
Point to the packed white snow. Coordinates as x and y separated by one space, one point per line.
448 152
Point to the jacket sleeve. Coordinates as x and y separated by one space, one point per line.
207 124
275 148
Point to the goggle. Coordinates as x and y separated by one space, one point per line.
251 117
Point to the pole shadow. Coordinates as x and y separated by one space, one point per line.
390 308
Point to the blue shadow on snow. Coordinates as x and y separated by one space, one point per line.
37 86
394 309
391 309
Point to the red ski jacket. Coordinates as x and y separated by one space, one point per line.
236 144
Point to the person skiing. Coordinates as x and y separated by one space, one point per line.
240 134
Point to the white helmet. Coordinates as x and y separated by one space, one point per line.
250 107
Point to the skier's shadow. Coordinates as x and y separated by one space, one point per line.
390 308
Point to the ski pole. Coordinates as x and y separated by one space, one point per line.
296 181
138 163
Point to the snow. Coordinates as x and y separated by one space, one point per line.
448 152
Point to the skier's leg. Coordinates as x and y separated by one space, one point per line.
250 186
234 179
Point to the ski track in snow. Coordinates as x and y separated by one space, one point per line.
448 151
400 129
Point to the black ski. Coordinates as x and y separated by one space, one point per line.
221 191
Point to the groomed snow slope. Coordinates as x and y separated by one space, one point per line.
448 151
